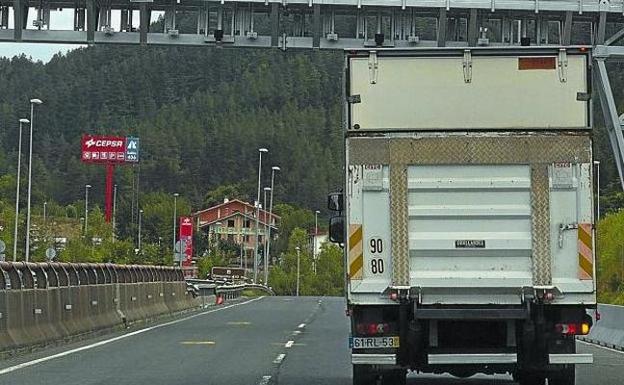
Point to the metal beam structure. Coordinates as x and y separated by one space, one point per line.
336 24
614 122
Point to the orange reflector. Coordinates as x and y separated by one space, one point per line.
537 63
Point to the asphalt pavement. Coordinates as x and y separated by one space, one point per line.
265 341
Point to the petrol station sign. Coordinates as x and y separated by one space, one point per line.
109 149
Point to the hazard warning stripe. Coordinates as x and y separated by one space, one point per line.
585 251
356 252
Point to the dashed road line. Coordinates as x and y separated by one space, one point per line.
301 326
265 380
279 358
289 344
197 343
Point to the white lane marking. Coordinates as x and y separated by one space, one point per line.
601 347
265 380
289 344
301 326
121 337
279 358
296 332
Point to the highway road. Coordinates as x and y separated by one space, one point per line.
265 341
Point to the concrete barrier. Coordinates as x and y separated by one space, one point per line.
609 329
47 302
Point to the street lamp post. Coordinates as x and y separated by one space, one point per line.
298 263
86 222
114 211
597 164
255 276
268 247
17 188
32 113
175 214
266 232
315 240
139 235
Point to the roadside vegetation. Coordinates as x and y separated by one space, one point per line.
610 261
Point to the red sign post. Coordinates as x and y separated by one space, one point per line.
186 237
109 150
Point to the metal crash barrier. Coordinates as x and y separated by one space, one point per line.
46 302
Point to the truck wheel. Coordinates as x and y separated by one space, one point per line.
566 376
363 375
394 377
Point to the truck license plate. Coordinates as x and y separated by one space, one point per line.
373 342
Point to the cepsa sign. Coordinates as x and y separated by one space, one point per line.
108 149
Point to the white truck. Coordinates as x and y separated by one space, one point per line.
467 214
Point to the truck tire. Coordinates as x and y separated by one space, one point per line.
394 377
363 375
566 376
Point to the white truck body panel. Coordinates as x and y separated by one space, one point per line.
470 230
431 93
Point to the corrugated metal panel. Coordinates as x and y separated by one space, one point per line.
470 225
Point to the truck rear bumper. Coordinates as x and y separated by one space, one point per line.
373 359
570 359
463 359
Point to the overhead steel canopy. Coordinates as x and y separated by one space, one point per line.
326 24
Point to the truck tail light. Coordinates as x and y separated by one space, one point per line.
372 329
572 328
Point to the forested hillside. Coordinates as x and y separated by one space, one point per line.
201 114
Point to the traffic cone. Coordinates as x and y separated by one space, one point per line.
219 300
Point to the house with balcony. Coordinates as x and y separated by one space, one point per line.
234 221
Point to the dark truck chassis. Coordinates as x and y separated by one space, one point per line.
465 340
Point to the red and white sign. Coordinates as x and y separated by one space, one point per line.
103 149
186 235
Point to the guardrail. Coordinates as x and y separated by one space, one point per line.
223 290
608 330
45 302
